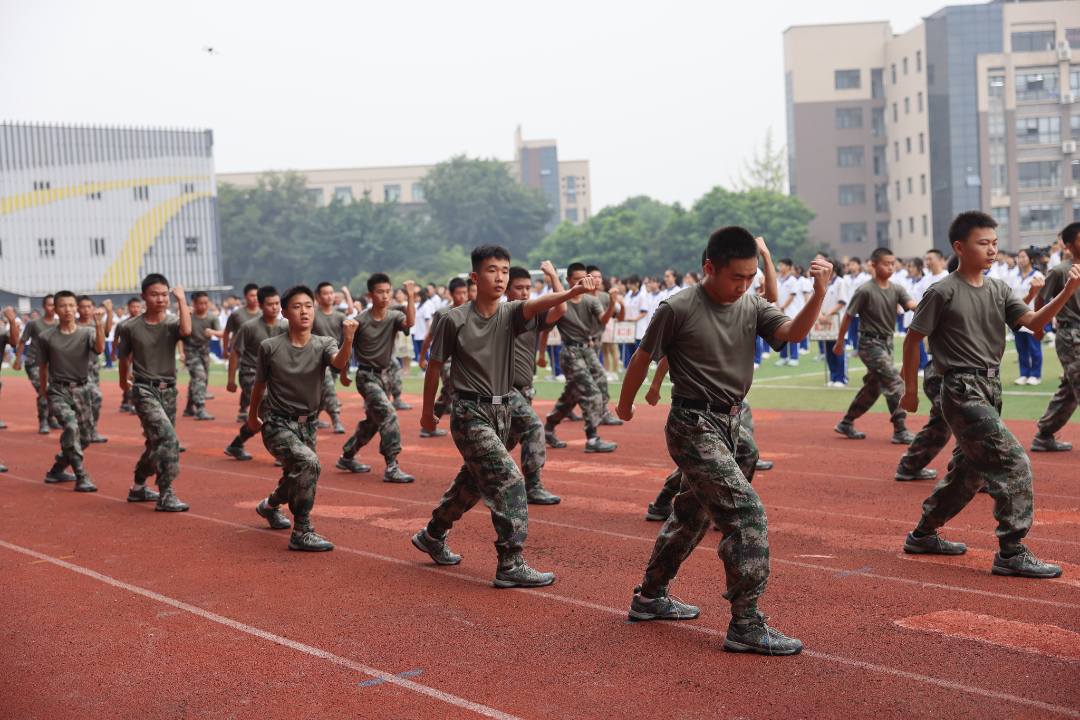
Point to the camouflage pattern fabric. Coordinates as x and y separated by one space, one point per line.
245 433
986 453
714 491
42 403
1065 400
394 375
881 377
330 402
380 418
71 406
599 376
527 430
246 381
935 434
94 383
442 402
156 408
293 444
489 474
580 390
197 362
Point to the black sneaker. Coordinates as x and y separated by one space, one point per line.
85 484
277 463
352 465
399 405
438 550
658 513
661 608
600 446
132 410
763 465
167 502
902 437
3 425
188 412
437 432
550 439
394 474
1024 565
1050 444
99 439
273 515
181 449
208 396
521 575
935 544
756 636
58 477
242 418
848 430
237 452
308 541
924 474
144 495
3 467
539 495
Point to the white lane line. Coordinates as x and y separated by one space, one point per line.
300 647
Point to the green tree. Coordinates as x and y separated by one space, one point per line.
476 201
766 170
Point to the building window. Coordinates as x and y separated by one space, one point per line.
920 105
925 225
918 61
847 79
879 160
899 229
42 185
922 184
852 194
315 195
142 192
391 193
1072 35
1001 217
571 215
417 192
1037 86
877 116
1046 173
571 191
1076 173
922 144
93 195
849 156
191 244
898 190
907 106
1040 217
911 186
46 247
892 69
1038 131
1033 41
853 233
881 197
905 66
1074 127
877 83
1074 82
895 113
97 246
911 225
896 150
848 118
344 194
188 188
883 232
907 145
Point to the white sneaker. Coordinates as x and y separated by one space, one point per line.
766 355
830 384
793 363
757 366
1022 380
781 362
922 373
1034 381
560 378
819 358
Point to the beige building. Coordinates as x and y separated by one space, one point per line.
890 136
565 183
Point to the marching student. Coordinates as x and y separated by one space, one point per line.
480 339
30 333
874 305
85 318
703 430
196 354
596 367
328 322
1026 285
1067 345
64 355
936 270
963 316
285 403
147 352
134 309
245 355
238 317
459 294
373 347
576 328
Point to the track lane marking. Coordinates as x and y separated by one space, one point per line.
1048 640
379 675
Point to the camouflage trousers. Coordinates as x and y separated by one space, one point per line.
935 434
42 403
1065 400
96 397
72 407
580 390
330 404
380 418
599 376
986 453
246 380
156 408
293 444
527 430
714 491
881 377
197 362
393 374
489 474
442 402
746 457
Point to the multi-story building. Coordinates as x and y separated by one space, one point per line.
890 136
93 210
565 183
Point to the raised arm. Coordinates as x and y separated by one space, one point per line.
183 310
410 304
556 285
1036 285
613 300
99 335
769 284
14 326
535 306
796 330
107 306
1037 320
348 330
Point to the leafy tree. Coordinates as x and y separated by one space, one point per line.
767 170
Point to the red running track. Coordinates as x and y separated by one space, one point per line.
114 610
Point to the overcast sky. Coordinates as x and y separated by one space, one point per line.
663 99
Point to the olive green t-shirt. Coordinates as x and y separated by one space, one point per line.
328 325
238 317
481 349
68 356
1055 282
709 345
598 327
152 348
199 326
30 334
251 334
964 324
525 348
373 342
876 307
576 325
294 375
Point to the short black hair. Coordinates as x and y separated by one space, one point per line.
48 297
318 288
294 291
198 294
935 251
249 287
64 294
481 253
917 262
590 268
1070 233
469 282
378 279
732 242
837 268
575 267
133 299
785 261
80 298
267 291
635 279
964 223
878 254
154 279
854 259
516 273
953 264
457 282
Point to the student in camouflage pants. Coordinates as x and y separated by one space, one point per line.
294 445
380 418
881 377
72 406
197 362
1065 400
442 403
580 390
246 380
933 436
156 408
527 430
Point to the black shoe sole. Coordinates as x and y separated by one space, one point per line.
543 502
916 550
736 647
419 546
307 549
1008 572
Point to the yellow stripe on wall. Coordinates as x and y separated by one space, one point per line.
26 200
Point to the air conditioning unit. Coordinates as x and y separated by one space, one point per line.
1064 51
1068 147
1067 98
1070 192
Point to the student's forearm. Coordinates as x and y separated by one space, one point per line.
410 314
125 370
1041 318
425 345
431 385
233 360
535 306
1031 295
185 318
341 357
799 328
43 379
633 378
257 392
609 313
659 375
842 332
910 368
769 285
99 338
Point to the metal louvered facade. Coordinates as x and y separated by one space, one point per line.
95 209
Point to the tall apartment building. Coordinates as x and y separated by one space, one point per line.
565 183
890 136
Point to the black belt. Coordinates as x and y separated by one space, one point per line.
681 402
985 372
309 417
570 343
1069 326
159 384
483 399
875 335
69 383
370 369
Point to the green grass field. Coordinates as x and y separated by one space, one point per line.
782 388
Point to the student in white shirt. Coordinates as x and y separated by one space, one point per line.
856 277
1029 350
635 313
671 284
790 301
836 297
424 311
